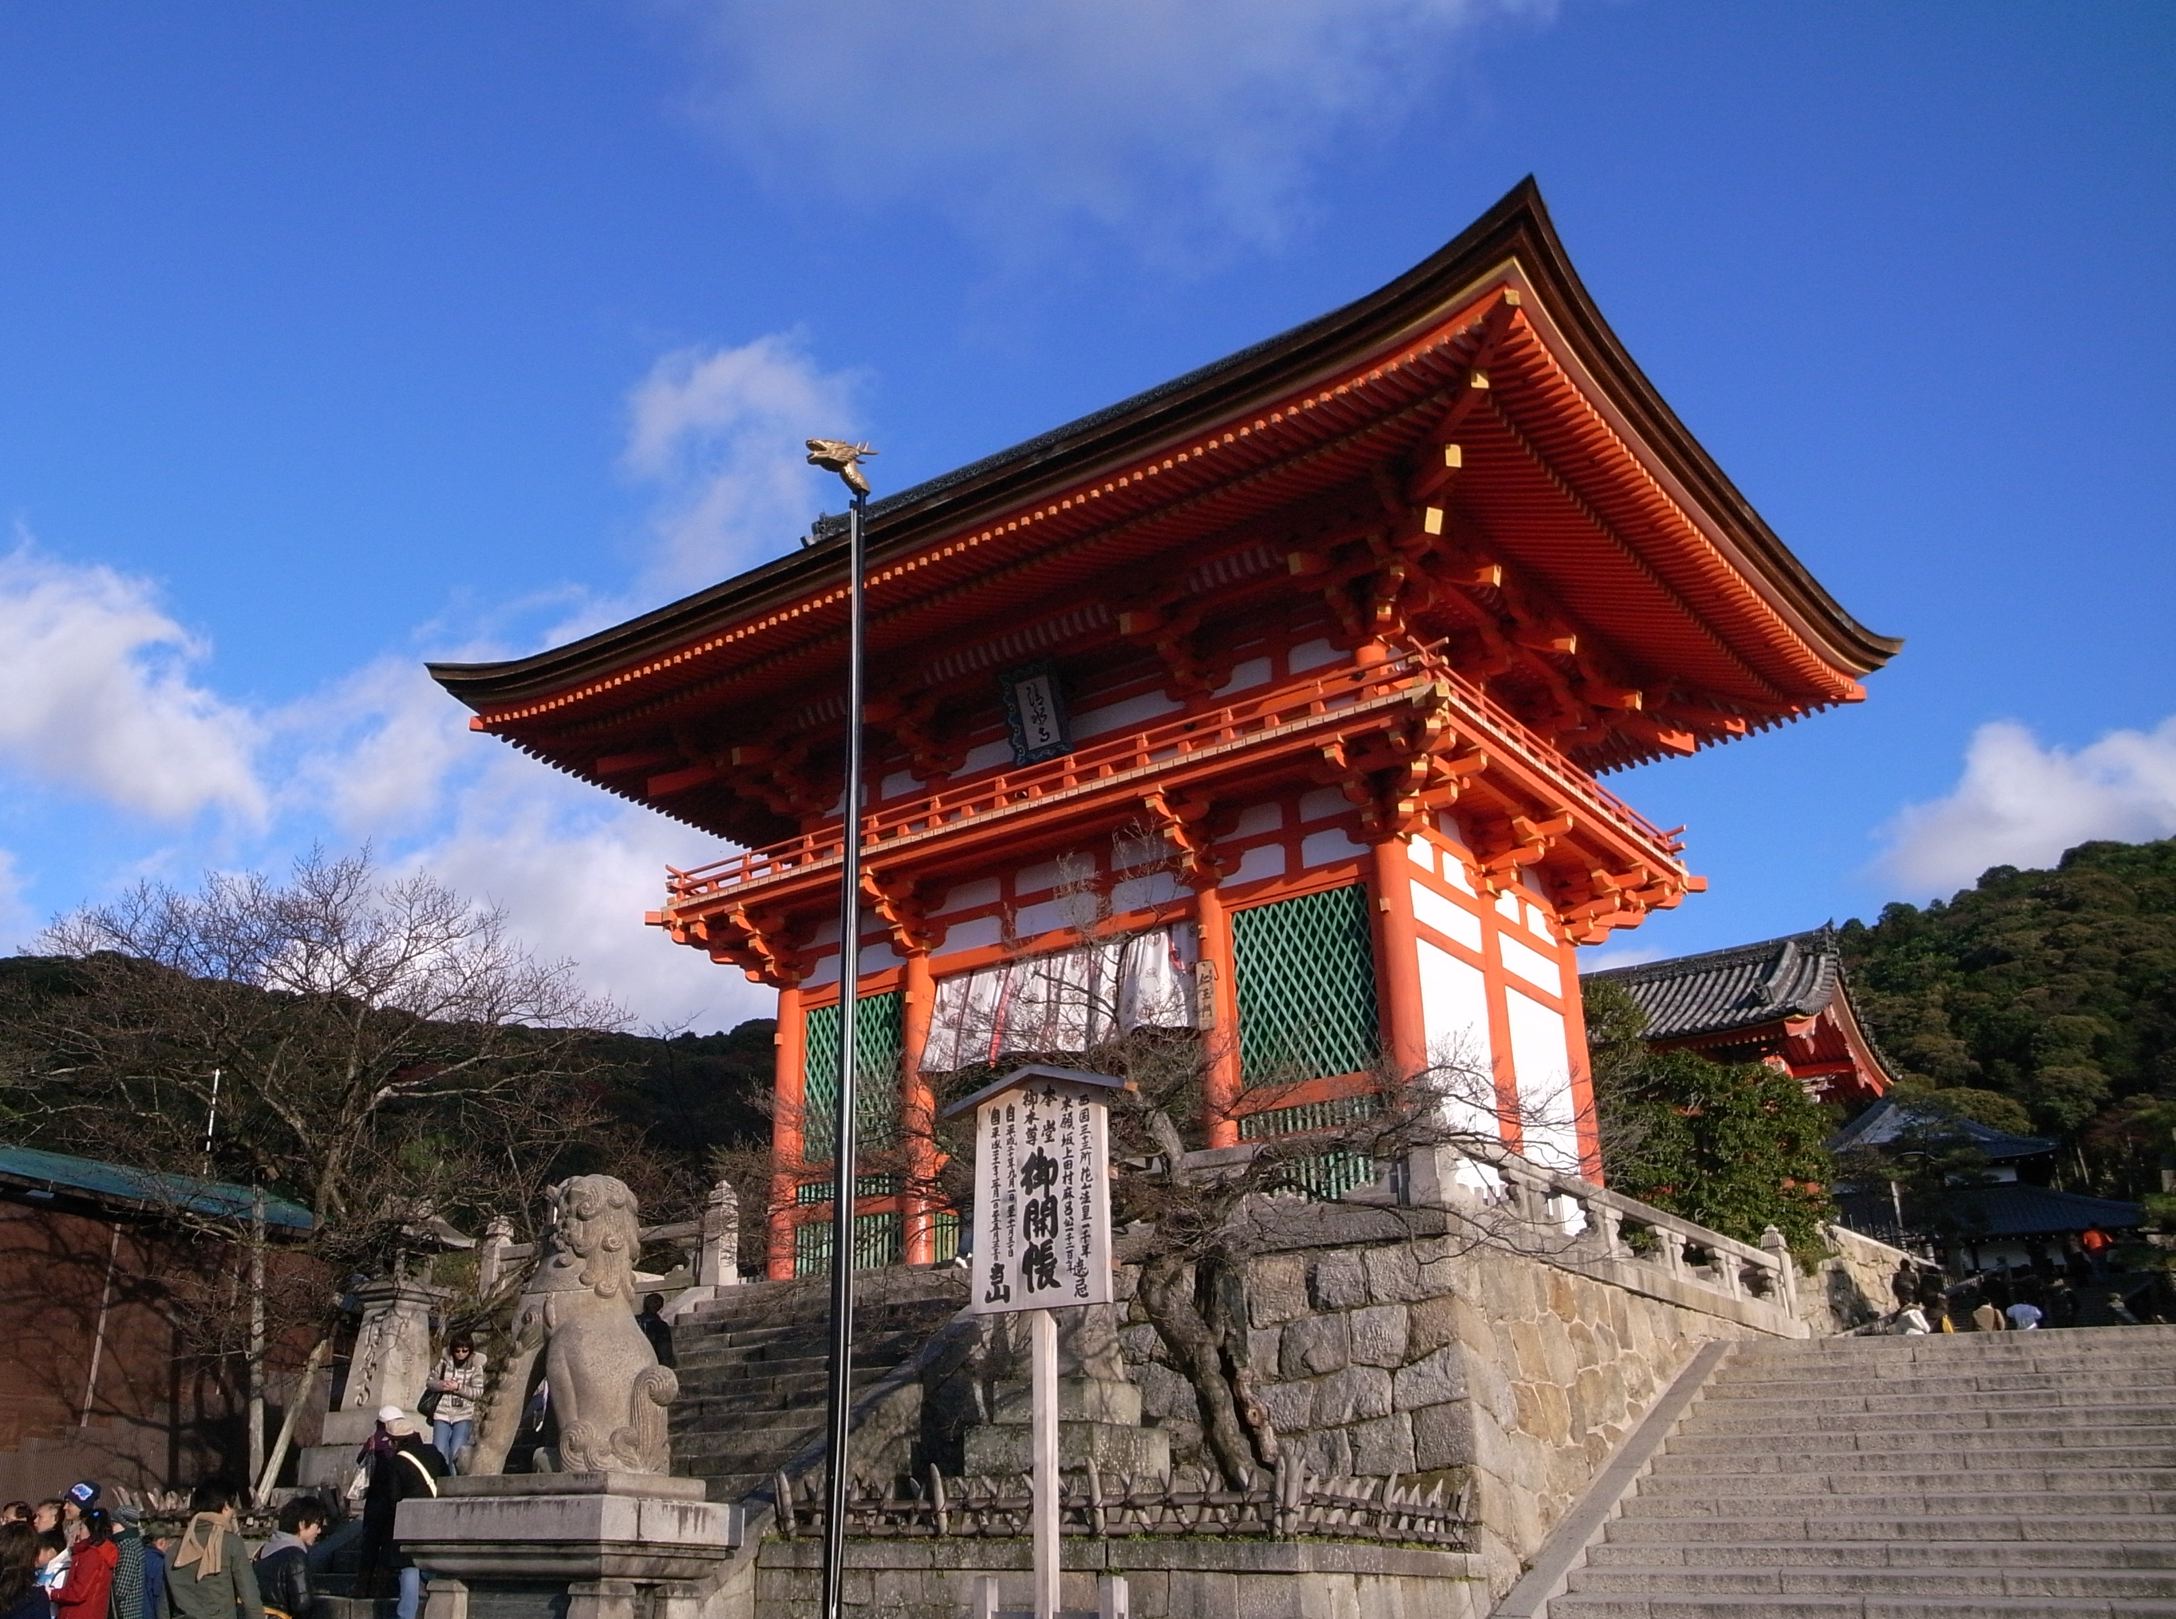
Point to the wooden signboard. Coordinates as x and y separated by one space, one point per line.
1042 1242
1042 1192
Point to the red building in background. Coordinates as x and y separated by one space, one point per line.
1783 1002
1333 637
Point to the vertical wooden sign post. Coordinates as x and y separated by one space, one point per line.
1042 1242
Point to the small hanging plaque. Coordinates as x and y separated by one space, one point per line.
1035 714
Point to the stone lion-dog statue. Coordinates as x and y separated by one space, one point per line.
607 1387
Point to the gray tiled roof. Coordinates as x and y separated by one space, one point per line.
1740 988
1889 1123
2011 1209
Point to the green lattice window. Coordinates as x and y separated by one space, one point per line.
879 1240
945 1237
1305 973
879 1043
864 1186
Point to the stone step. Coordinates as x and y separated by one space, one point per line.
2101 1338
1744 1463
1991 1380
1601 1606
1779 1420
1742 1503
1945 1523
1963 1580
1800 1403
1973 1442
2069 1481
1707 1552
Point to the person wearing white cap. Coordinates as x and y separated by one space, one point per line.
403 1465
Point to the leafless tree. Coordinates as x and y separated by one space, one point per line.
379 1050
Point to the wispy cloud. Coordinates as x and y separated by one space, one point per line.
104 696
2019 803
1174 128
717 433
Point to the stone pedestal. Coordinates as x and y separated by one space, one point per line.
570 1546
1099 1420
391 1361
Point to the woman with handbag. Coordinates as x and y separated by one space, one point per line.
451 1396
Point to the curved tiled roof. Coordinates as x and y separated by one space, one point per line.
1744 987
1889 1122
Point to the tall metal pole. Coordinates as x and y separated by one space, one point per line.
838 1395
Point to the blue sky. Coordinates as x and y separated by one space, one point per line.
335 338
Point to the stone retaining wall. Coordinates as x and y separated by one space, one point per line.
1851 1286
1422 1357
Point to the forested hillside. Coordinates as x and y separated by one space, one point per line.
2041 1000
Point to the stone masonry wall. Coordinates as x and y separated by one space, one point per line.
1851 1286
1421 1357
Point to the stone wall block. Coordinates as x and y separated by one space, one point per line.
1559 1361
1406 1272
1353 1395
1440 1377
1338 1281
1443 1436
1139 1343
1276 1289
1432 1323
1315 1344
1262 1344
1291 1406
1164 1393
1383 1446
1326 1452
1379 1334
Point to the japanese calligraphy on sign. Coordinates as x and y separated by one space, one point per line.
1042 1195
1035 714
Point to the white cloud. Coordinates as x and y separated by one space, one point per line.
376 749
102 696
1174 126
575 870
2021 804
18 927
718 432
1603 957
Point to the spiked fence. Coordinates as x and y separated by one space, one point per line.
1290 1505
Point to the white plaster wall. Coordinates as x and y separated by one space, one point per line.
1541 1060
1530 964
1448 918
1454 1014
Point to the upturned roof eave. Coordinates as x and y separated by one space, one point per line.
1516 230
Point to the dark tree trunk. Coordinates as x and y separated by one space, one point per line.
1198 1353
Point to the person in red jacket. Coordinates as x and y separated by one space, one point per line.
85 1590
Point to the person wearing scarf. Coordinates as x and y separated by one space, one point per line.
210 1576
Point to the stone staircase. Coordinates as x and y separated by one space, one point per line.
752 1367
1903 1478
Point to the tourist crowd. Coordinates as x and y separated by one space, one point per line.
74 1557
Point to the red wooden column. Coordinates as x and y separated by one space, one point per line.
787 1082
1220 1092
1582 1065
1397 956
917 1107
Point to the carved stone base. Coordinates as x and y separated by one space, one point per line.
1099 1420
569 1546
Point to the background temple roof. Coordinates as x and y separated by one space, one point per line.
92 1180
1890 1123
1744 987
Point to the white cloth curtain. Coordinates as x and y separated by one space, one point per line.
1066 1000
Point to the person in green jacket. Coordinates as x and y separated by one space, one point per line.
210 1576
